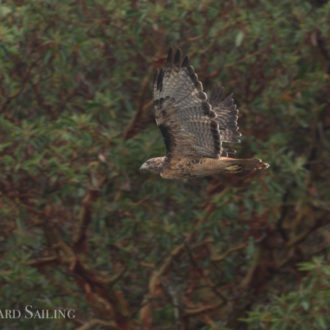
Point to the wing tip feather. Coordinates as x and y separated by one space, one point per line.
185 62
170 55
160 80
177 57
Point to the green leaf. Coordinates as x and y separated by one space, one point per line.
239 38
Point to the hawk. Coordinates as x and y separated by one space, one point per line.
194 125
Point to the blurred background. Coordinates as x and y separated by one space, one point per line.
83 229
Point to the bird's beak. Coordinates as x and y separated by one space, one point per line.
143 167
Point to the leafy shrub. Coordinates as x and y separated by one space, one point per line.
83 229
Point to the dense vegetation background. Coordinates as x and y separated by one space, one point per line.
82 228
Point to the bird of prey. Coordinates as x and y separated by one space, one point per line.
194 125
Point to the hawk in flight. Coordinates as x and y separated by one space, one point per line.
194 125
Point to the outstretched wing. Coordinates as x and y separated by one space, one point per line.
183 113
192 125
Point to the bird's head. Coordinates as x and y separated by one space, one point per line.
154 165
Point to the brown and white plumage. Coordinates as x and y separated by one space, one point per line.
193 124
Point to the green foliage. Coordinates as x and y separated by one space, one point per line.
82 228
305 308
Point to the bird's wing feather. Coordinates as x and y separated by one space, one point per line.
183 113
226 115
